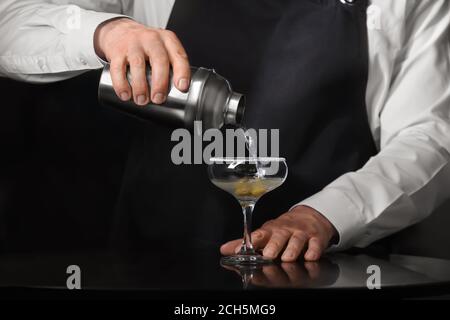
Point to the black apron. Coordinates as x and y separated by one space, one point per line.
303 65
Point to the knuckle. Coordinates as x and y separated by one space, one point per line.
131 39
274 243
320 241
288 216
118 62
257 235
182 56
138 79
283 233
120 47
117 69
316 243
161 59
260 234
313 234
297 239
170 34
137 61
300 234
152 35
268 224
119 79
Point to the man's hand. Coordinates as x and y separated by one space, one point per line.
301 229
124 42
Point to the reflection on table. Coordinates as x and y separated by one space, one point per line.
202 271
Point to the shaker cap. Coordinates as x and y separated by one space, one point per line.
234 113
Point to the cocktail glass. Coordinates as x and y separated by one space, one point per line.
247 179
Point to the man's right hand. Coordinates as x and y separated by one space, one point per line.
124 42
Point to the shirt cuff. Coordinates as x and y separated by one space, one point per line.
81 40
343 214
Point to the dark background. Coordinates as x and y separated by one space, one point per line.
58 147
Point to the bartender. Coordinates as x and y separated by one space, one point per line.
358 89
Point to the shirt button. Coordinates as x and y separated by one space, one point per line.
83 61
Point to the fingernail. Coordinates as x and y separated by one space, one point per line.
257 235
183 84
124 96
237 250
142 100
159 98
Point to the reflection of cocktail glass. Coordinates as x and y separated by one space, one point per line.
247 179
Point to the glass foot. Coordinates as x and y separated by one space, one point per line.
245 260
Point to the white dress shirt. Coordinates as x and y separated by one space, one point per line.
408 99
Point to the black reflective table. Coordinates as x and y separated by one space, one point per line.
199 274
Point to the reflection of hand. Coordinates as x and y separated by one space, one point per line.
287 275
125 42
302 228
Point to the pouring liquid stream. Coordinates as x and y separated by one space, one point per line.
252 148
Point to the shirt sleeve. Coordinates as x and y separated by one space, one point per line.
44 41
410 176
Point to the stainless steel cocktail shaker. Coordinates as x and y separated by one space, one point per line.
210 99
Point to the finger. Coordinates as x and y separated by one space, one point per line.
139 83
229 248
118 70
179 60
295 247
159 61
276 243
260 238
315 249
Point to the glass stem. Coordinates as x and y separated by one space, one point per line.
247 245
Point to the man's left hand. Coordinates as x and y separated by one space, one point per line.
302 229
